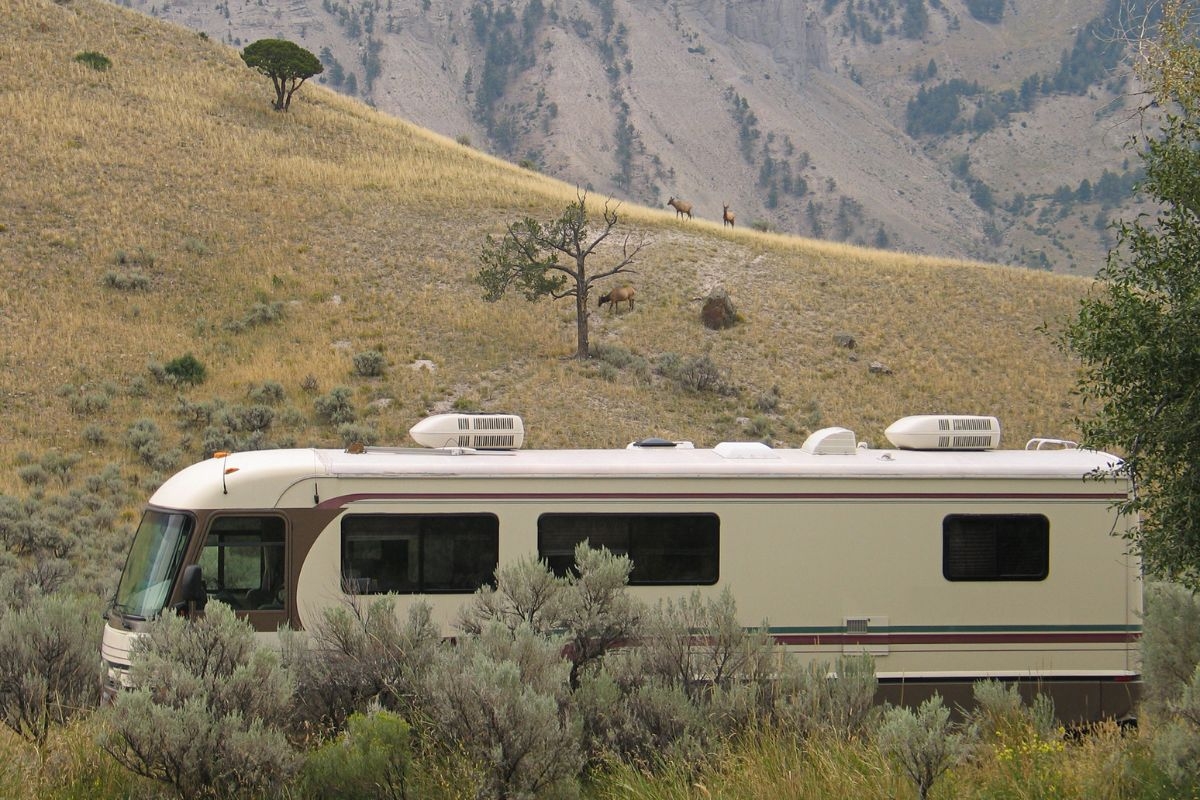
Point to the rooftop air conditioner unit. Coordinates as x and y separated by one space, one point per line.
945 432
475 431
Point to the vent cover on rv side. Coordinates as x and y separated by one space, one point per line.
476 431
945 432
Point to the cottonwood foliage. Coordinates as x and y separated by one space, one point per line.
1136 333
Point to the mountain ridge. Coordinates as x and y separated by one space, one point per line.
637 100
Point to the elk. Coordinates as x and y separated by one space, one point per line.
617 296
680 207
727 217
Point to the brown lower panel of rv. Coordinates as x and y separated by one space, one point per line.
1077 701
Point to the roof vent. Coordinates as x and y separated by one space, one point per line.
653 442
830 442
945 432
744 450
476 431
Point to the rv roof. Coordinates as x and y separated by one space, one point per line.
272 472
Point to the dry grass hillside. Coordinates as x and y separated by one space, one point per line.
160 207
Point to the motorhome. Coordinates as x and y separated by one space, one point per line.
946 558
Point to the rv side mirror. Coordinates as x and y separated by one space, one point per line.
194 597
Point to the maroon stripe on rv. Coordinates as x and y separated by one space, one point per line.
346 499
1030 637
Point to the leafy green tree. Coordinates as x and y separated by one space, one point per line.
287 64
527 256
1137 334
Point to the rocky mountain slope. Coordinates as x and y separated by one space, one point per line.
797 113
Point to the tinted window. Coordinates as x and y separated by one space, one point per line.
995 547
243 562
664 548
418 553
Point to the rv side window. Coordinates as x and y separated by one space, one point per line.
678 549
243 562
418 553
995 547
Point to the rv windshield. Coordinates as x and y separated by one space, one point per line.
153 564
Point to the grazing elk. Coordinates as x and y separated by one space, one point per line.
617 296
727 217
680 207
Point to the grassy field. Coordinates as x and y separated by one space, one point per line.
1106 765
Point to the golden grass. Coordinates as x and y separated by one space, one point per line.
368 230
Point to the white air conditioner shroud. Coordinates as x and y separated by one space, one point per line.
475 431
945 432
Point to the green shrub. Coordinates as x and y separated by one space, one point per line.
88 399
205 709
94 435
249 418
768 401
50 672
759 427
518 677
371 759
613 357
1001 713
696 374
369 364
185 369
353 433
838 700
923 742
196 246
1170 643
145 439
33 475
197 416
1170 656
140 257
697 643
269 393
97 61
138 387
356 655
259 314
1176 753
336 408
126 281
218 439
